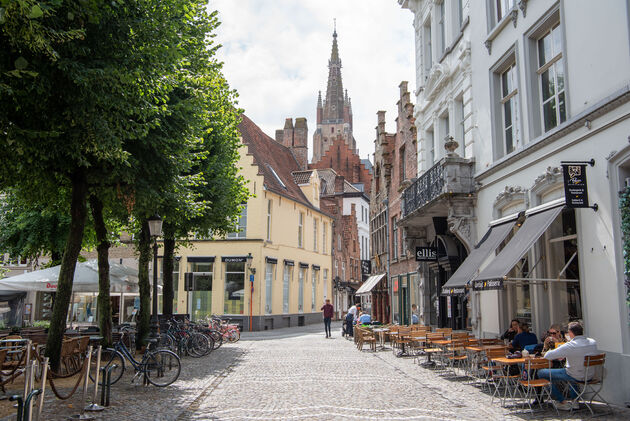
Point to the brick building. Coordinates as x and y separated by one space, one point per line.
395 166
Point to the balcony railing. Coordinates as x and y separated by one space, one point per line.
452 174
426 188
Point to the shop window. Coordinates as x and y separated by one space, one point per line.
301 276
200 291
314 279
234 297
270 270
286 280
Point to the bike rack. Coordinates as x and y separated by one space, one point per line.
106 386
86 379
94 407
24 406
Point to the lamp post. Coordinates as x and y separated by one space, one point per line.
155 230
252 271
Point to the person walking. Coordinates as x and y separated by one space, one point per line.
328 313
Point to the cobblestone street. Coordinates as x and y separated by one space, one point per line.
296 373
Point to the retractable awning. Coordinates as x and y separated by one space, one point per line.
369 284
493 275
456 284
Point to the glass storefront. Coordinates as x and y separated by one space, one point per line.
234 288
200 296
286 279
301 275
270 270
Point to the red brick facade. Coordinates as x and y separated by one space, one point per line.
395 165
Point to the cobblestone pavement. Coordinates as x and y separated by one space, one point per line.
295 374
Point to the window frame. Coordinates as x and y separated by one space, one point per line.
269 220
512 98
554 62
301 230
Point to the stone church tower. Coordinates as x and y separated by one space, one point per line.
334 114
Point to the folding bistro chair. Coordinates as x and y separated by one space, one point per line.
538 389
593 382
490 369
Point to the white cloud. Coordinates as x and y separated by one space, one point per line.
276 56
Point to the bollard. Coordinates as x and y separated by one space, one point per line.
27 385
86 379
28 404
18 398
94 406
106 386
43 389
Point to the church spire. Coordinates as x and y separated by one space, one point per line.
333 107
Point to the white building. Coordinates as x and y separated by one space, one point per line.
437 207
362 209
551 83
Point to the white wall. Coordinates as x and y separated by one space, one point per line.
363 225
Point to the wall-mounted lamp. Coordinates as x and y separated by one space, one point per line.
587 124
250 258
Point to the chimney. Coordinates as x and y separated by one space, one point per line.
279 135
287 138
339 182
300 142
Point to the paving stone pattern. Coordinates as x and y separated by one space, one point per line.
297 374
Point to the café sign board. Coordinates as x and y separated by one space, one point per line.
575 185
426 254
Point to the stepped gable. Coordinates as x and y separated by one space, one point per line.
270 154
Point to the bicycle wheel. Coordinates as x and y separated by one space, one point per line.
109 357
166 342
197 345
161 367
217 337
235 335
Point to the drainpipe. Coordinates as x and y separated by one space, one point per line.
389 281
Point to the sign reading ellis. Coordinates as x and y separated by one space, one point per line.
424 254
575 185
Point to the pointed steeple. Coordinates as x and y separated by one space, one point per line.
333 107
319 99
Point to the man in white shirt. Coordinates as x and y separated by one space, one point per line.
352 315
574 351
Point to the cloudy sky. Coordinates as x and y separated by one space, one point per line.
276 56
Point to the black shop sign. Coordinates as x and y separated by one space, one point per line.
426 254
575 185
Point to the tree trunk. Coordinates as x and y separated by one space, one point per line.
78 211
144 248
104 304
167 272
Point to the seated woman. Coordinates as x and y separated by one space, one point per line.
553 337
365 318
523 338
512 331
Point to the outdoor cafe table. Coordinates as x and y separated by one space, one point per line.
381 331
504 361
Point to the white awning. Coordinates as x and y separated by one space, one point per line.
369 284
121 279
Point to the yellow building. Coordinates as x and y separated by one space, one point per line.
288 238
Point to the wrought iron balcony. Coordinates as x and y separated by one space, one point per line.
451 175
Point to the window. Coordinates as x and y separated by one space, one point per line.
394 238
301 275
269 203
402 164
241 225
551 78
336 268
324 240
270 270
200 290
445 127
301 230
343 271
338 242
234 288
314 276
286 279
503 8
430 139
509 109
315 234
325 283
442 27
427 56
460 14
460 132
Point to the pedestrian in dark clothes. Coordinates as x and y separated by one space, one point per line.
328 313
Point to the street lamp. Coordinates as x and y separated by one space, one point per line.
155 231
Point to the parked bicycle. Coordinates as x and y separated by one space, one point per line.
186 338
160 367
